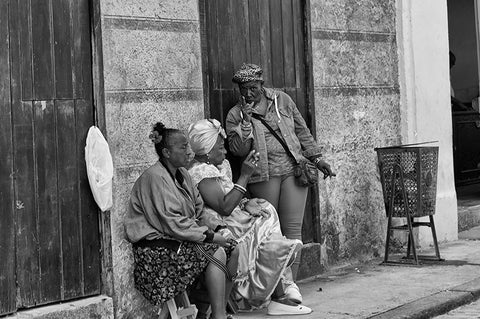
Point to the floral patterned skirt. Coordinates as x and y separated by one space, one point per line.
160 273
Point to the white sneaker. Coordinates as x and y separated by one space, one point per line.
293 293
279 309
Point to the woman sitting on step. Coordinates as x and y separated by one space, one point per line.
265 255
170 248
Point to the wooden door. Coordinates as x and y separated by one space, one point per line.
272 34
49 221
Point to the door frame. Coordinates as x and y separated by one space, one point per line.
310 94
104 220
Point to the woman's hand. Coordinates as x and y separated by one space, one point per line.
249 165
246 109
255 207
224 242
324 167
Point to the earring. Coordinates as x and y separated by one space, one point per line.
208 158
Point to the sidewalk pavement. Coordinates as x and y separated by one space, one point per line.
377 291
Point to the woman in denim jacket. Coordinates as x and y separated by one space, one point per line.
274 179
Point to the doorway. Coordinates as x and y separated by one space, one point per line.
273 34
463 28
49 234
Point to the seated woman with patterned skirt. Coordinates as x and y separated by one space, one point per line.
171 248
265 255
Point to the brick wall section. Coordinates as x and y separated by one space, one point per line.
357 109
152 69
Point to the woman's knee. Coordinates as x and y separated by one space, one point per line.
220 255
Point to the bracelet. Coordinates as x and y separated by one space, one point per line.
208 236
240 188
317 159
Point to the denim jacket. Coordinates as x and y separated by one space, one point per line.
292 126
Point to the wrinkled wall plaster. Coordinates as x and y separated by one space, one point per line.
357 106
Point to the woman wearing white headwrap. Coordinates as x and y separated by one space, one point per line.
264 253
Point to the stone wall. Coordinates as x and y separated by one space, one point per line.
357 107
425 99
152 69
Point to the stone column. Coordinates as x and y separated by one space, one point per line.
422 37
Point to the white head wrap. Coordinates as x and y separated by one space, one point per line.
203 135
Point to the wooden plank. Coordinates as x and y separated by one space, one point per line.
265 43
299 98
27 258
216 111
240 43
27 219
25 55
225 44
82 63
68 199
308 227
97 76
276 44
62 34
254 27
288 44
228 99
213 43
7 235
89 220
49 226
212 66
42 33
307 62
298 43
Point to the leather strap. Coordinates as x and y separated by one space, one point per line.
282 142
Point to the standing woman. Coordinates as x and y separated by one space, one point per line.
171 250
274 179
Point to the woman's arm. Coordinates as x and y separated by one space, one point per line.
239 137
213 195
309 145
165 211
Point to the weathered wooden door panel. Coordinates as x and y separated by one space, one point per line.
269 33
56 232
7 218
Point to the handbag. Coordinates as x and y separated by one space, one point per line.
305 172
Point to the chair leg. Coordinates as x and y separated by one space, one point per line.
408 246
172 309
411 239
434 235
186 310
389 232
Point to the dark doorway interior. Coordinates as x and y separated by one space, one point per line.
464 77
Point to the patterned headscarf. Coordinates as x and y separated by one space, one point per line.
248 73
203 134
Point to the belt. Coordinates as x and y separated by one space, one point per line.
173 245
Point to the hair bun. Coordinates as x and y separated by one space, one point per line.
159 127
157 132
